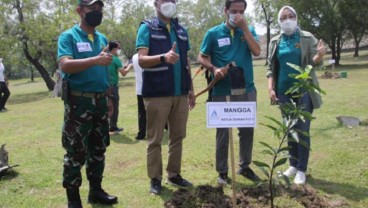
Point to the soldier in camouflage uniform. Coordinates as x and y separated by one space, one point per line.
85 136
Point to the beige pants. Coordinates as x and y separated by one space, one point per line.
174 110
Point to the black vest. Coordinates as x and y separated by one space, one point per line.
159 80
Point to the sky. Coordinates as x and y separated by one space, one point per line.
261 30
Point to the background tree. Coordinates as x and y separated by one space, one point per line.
121 22
265 12
34 29
29 30
323 19
354 14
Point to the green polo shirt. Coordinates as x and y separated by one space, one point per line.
74 43
223 48
143 41
289 51
114 67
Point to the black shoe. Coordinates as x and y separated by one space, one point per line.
179 181
101 197
155 186
139 137
223 179
75 205
248 173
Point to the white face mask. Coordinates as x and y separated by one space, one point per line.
118 52
288 26
168 9
231 20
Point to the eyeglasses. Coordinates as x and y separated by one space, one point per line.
285 17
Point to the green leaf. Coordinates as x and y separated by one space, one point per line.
268 152
275 120
269 147
269 126
261 164
280 162
283 149
264 171
296 67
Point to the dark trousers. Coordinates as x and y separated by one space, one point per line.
245 137
141 117
115 103
298 151
4 94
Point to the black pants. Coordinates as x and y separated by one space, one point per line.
4 94
141 117
115 101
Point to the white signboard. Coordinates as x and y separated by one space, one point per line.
331 61
231 114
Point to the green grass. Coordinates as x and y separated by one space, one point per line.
32 131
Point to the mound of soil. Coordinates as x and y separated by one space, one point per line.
330 75
252 197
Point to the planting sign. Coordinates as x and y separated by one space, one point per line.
231 114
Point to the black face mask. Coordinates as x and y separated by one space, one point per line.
93 18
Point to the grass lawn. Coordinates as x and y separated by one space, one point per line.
32 131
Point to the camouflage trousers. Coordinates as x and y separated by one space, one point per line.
85 136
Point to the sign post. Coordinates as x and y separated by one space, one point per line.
231 115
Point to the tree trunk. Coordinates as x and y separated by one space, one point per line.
50 83
268 41
338 52
32 75
34 60
356 49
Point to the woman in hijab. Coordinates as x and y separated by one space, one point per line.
301 48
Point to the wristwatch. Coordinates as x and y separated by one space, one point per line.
162 58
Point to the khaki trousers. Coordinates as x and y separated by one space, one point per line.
159 111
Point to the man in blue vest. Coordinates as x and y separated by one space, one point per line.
232 41
167 90
85 136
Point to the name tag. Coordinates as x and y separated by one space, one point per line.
223 42
84 47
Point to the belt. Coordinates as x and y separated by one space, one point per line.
88 94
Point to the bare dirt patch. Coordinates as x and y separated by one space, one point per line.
251 197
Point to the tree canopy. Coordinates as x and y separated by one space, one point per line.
29 30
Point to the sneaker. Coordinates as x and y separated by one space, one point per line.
248 173
155 186
223 179
300 178
179 181
291 171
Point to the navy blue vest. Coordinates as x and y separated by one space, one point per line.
159 80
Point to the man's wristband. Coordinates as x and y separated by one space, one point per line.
163 58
